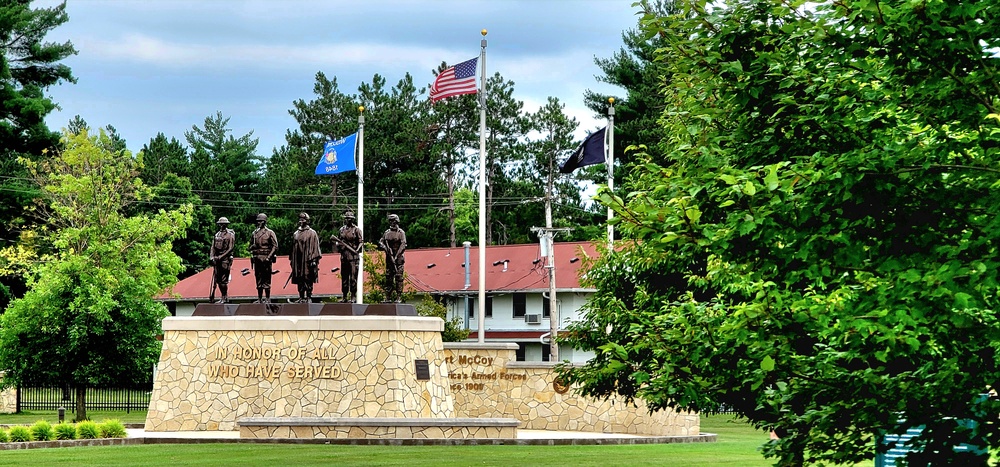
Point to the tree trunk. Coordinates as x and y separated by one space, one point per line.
81 403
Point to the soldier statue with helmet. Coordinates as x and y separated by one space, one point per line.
263 251
349 244
393 242
221 258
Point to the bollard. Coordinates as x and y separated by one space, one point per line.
62 414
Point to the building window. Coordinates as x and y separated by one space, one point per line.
519 354
545 353
475 306
520 304
545 306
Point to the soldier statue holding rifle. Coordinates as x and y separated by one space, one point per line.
263 248
349 243
393 242
221 258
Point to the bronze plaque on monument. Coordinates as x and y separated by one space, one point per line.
423 370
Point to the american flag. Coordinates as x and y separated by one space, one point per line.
459 79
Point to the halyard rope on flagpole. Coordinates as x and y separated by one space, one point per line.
481 314
609 160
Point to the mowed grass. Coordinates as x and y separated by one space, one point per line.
737 444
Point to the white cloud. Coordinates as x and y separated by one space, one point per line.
147 50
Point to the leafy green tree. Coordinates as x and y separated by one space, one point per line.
454 330
114 142
167 170
28 66
193 244
89 317
817 251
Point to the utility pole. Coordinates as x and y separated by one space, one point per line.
547 235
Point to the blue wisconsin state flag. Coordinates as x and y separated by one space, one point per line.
338 156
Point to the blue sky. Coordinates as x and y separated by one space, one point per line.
149 66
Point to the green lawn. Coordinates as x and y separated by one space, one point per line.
737 445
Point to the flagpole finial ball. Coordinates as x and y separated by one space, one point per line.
611 100
484 32
361 109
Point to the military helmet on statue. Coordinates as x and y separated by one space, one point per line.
222 220
349 214
303 215
261 217
393 217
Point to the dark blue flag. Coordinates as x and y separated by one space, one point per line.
338 156
590 152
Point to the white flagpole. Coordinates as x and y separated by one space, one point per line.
359 295
482 193
609 160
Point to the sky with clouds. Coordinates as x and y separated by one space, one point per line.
150 66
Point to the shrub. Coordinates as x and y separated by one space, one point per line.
3 436
20 434
113 429
88 430
42 431
65 431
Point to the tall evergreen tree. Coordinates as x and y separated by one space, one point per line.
635 69
455 129
540 176
402 173
506 127
90 317
229 172
161 157
28 66
290 179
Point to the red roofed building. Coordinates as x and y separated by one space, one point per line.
517 287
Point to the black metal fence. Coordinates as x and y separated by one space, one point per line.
112 399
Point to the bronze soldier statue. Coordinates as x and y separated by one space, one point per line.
393 242
263 248
221 258
349 243
305 258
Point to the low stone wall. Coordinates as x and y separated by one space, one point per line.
215 370
8 400
377 428
486 381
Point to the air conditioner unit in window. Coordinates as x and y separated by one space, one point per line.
533 319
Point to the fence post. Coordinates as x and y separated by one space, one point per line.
18 404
